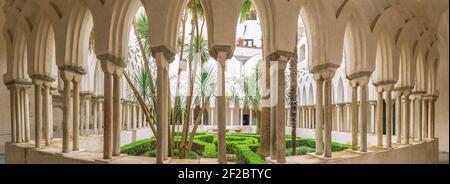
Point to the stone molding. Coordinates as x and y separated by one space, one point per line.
169 54
214 51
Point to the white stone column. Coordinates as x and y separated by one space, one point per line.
371 125
281 108
162 104
413 116
67 110
419 118
38 112
398 116
87 117
27 115
47 113
379 117
431 117
354 114
363 112
389 116
22 116
117 110
76 112
406 117
108 70
13 105
221 110
319 114
328 75
18 116
425 117
95 115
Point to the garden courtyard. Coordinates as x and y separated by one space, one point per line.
224 81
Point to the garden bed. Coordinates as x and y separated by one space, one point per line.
242 145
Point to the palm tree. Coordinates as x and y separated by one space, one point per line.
196 10
293 97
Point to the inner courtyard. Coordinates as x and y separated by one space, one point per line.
215 81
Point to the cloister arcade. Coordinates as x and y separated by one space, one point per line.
367 69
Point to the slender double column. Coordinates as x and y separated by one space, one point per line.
323 79
70 109
406 116
20 123
111 108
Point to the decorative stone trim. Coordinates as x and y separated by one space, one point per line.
73 69
360 74
113 59
384 82
170 56
404 88
418 92
319 68
277 54
18 82
214 51
42 77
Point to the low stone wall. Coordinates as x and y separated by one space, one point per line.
90 150
423 152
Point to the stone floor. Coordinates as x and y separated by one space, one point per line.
443 158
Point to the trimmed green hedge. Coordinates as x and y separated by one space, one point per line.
206 149
244 155
139 147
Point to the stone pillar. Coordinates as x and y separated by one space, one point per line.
419 118
371 122
27 115
389 116
398 116
319 114
354 118
108 70
425 117
23 114
87 112
37 111
67 78
431 117
76 112
13 105
19 115
273 114
221 111
413 116
280 110
327 76
162 104
379 117
406 117
363 110
47 113
95 115
348 115
117 110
